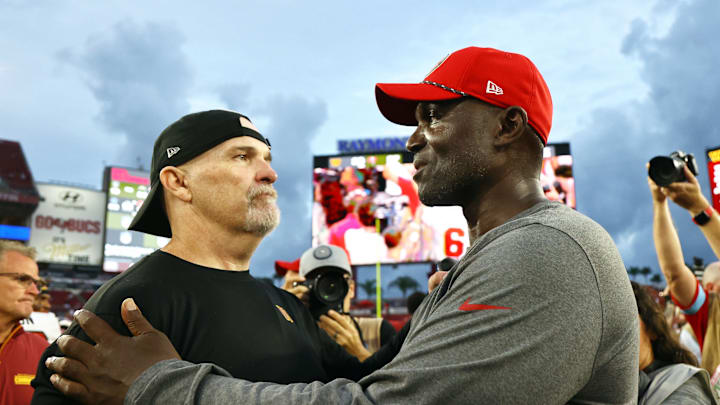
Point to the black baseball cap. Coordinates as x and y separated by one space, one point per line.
179 143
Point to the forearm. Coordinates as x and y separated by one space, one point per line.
180 382
670 256
667 243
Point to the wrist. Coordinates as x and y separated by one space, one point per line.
698 209
660 208
659 203
703 217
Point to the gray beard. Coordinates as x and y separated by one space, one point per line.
262 216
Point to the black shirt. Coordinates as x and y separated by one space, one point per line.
250 328
387 332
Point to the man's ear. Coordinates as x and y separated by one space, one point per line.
513 122
174 180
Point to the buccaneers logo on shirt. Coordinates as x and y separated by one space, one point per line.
284 313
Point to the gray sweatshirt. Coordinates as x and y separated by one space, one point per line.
539 310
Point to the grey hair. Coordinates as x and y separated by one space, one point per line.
12 246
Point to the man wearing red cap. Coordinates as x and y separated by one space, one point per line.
539 310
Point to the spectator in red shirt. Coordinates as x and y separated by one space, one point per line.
20 351
696 299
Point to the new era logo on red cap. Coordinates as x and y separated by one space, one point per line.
493 88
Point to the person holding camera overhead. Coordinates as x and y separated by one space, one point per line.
324 284
212 194
674 178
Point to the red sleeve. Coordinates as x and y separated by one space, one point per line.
409 190
337 238
697 313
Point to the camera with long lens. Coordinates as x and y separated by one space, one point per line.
325 269
664 170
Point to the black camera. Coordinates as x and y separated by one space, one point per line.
669 169
325 269
328 288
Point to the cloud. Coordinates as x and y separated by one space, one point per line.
234 95
140 76
679 113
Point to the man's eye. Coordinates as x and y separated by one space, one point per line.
241 156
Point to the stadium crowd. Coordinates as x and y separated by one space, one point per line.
540 308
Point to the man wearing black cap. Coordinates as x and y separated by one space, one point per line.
539 310
212 194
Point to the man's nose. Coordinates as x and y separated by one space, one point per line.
266 174
416 141
34 290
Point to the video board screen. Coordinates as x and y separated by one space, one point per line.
557 177
126 191
368 205
713 166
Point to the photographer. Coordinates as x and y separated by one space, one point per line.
697 300
360 337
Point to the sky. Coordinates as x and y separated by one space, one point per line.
88 84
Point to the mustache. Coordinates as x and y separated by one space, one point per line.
261 190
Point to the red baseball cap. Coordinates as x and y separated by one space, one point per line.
282 267
500 78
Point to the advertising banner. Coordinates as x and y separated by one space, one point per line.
67 225
713 164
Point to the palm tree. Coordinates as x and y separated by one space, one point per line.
368 287
405 284
645 271
656 279
633 271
